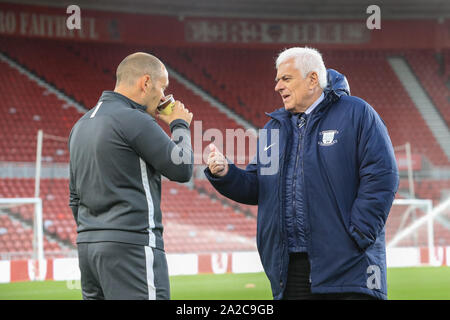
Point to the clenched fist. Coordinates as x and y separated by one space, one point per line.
217 163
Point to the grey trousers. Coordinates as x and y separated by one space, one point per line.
122 271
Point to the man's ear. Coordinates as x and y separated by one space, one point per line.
146 83
313 79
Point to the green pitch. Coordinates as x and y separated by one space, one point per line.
403 283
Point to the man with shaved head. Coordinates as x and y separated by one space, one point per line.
118 153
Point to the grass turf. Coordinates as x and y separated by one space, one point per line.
403 284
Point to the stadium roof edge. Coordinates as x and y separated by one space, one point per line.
263 9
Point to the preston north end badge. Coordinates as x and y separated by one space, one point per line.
328 137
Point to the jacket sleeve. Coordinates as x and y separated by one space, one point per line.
378 180
74 198
172 157
238 185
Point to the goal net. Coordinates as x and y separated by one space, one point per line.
35 219
418 232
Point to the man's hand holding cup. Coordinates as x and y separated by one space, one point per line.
170 110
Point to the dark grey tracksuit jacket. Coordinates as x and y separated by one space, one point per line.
117 156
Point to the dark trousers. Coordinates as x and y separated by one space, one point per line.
121 271
298 286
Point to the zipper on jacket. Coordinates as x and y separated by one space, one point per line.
300 138
281 222
306 207
280 196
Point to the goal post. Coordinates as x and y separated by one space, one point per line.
406 149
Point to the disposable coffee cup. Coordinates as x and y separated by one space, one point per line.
166 106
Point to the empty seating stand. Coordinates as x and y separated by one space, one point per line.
198 219
16 240
246 86
26 108
433 78
92 70
189 217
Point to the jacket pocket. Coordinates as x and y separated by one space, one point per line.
361 240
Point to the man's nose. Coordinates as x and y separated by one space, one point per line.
278 86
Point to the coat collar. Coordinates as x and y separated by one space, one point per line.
111 95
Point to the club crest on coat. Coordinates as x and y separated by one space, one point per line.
328 137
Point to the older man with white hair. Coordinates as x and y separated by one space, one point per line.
321 214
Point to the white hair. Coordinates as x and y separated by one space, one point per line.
306 61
